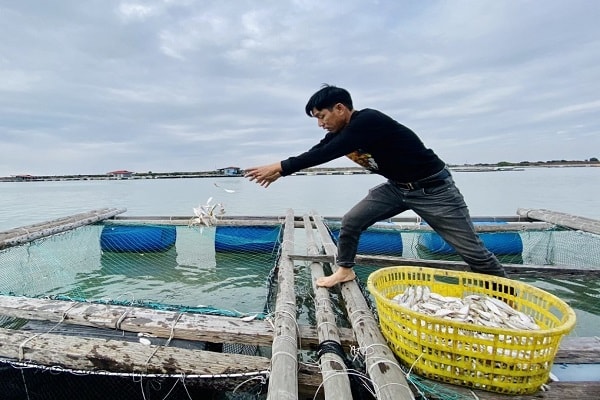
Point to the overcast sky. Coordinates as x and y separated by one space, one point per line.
92 86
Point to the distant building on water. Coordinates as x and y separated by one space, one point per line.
230 171
120 174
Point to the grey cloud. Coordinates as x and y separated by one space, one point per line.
89 87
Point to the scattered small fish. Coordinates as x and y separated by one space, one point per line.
249 318
207 214
227 190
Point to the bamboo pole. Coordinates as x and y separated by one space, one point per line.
29 233
283 381
562 219
383 369
336 383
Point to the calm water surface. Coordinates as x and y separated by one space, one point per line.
570 190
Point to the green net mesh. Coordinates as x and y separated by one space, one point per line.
222 270
185 273
163 267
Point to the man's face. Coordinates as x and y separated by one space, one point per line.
333 120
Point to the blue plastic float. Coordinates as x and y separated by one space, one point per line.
377 241
137 238
254 239
499 243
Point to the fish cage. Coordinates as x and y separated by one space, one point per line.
513 240
129 290
99 304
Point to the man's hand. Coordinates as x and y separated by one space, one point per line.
264 175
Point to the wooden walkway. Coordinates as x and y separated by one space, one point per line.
114 346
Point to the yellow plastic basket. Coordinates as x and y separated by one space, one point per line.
506 361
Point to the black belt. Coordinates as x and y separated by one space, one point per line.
429 182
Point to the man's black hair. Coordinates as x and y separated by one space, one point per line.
327 97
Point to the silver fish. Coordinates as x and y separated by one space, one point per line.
473 308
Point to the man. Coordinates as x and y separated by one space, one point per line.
418 180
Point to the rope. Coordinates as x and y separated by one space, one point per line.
293 318
325 323
285 353
166 343
59 369
121 318
22 345
357 379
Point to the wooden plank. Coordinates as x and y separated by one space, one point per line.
187 326
82 353
418 220
309 377
562 219
184 221
190 326
336 383
511 269
578 350
283 382
513 223
211 328
29 233
45 224
508 227
381 365
186 218
71 353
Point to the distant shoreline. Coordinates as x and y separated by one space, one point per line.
311 171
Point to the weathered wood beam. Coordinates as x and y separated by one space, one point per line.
210 328
184 221
189 326
578 350
82 353
562 219
417 220
25 234
508 227
409 224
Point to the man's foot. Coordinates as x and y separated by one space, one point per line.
341 275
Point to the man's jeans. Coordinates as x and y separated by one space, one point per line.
442 207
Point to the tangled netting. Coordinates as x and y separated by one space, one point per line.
215 270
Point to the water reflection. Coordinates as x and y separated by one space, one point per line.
190 274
